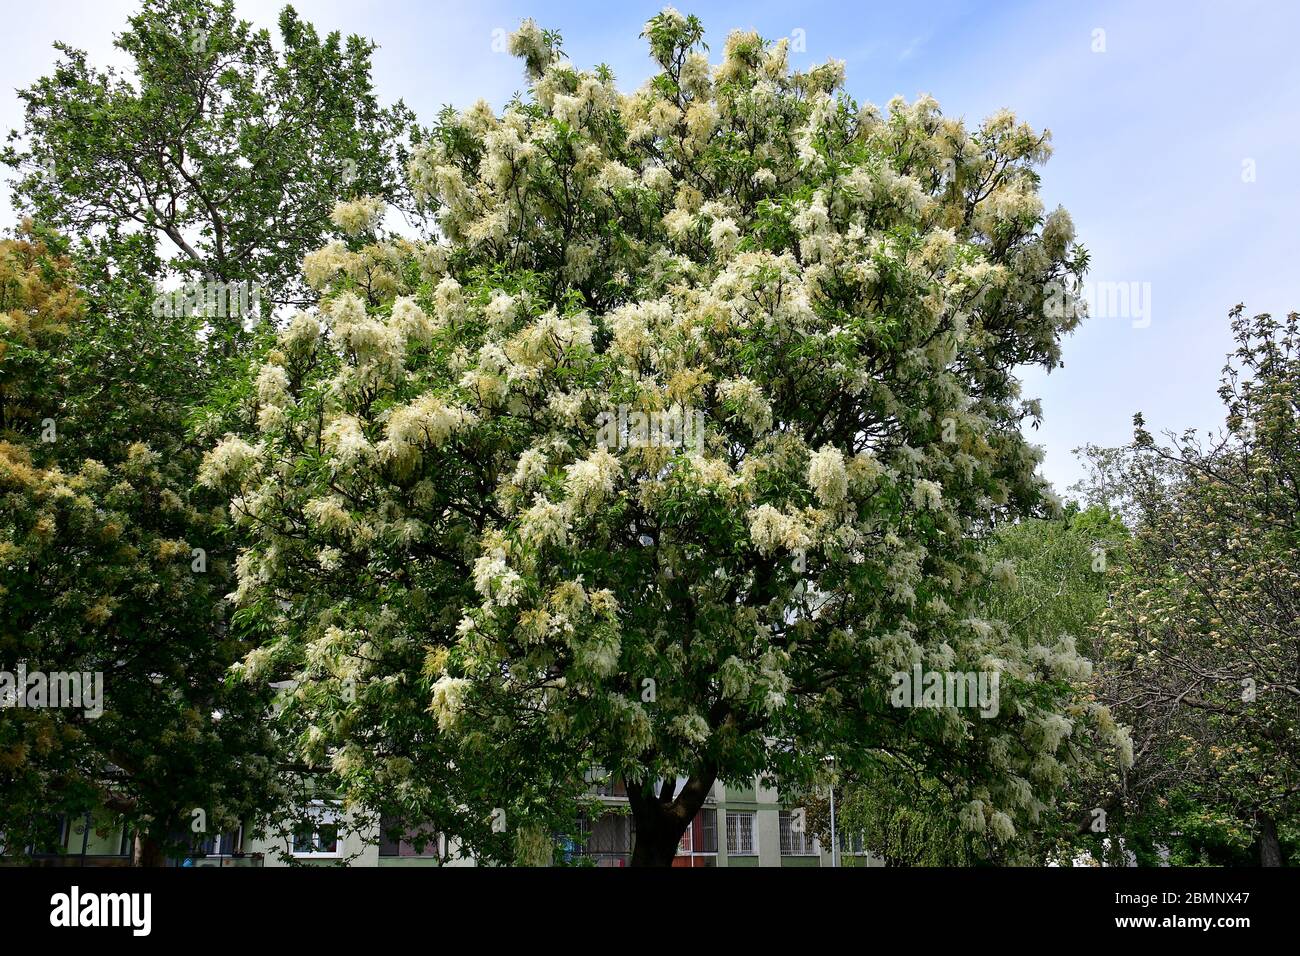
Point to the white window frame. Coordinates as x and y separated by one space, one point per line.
224 851
319 812
811 847
689 837
849 838
753 833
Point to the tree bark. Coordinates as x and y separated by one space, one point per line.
147 852
662 818
1270 850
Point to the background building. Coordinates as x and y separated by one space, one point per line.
737 826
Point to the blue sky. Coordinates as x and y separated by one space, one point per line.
1176 146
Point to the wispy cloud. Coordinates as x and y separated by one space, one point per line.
910 50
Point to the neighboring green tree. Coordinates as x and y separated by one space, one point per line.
1064 570
1054 587
225 150
1202 633
216 158
496 545
900 818
1060 574
99 571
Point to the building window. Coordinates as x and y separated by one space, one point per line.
699 844
705 831
852 843
609 787
229 843
605 784
740 833
795 838
607 839
397 839
317 834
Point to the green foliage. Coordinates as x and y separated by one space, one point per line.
227 146
1201 633
1058 574
1051 582
98 526
901 820
217 156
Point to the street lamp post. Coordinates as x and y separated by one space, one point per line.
835 843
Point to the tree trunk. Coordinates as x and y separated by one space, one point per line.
1270 850
147 852
662 819
656 839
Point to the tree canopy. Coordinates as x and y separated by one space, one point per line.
223 147
667 458
1202 630
215 158
105 545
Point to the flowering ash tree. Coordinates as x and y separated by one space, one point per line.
486 573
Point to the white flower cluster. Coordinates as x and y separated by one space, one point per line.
771 529
449 695
358 217
496 581
424 423
229 460
827 475
591 481
751 406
